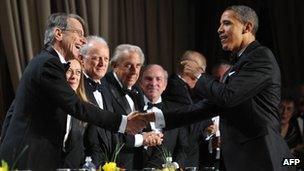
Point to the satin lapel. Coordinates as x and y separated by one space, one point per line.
89 91
117 93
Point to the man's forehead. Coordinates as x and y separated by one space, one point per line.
75 23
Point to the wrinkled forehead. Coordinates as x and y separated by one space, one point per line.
75 24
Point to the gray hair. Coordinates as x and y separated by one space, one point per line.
59 20
246 14
153 65
127 49
84 50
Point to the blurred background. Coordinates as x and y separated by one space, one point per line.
164 29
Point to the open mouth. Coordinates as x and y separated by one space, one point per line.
223 38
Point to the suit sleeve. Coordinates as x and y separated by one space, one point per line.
52 79
7 121
190 114
253 76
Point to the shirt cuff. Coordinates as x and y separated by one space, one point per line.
159 117
123 124
139 139
198 77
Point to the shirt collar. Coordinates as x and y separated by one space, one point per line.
146 100
61 58
87 76
241 51
115 76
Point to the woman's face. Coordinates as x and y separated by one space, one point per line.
286 110
73 74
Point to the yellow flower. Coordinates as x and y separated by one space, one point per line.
4 166
109 166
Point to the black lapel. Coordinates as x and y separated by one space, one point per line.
117 93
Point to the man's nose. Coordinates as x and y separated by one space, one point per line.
220 29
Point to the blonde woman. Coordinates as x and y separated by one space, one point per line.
73 146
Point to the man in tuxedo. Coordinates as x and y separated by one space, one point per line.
44 98
98 141
126 63
247 101
180 90
153 82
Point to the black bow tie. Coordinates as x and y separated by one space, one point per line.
95 85
158 105
66 66
129 92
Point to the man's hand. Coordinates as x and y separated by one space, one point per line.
192 68
148 117
152 138
135 123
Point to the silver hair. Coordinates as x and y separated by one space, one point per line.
126 49
246 14
152 65
84 50
59 20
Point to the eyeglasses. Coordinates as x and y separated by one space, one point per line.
77 31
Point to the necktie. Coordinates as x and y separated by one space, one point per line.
150 105
66 66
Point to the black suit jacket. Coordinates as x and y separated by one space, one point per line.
179 92
248 106
43 100
175 141
130 157
74 156
99 141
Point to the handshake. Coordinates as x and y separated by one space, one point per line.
137 121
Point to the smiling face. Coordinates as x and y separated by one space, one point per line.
231 32
72 39
73 74
127 69
153 82
97 60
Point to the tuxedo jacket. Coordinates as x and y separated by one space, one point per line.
99 141
179 92
73 155
38 123
130 157
248 106
175 141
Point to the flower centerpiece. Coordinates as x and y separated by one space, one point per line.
167 159
4 166
110 164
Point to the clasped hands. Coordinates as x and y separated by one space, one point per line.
137 121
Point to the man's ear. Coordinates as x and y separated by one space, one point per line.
247 28
58 34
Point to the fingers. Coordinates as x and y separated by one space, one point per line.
135 124
192 68
137 121
152 138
